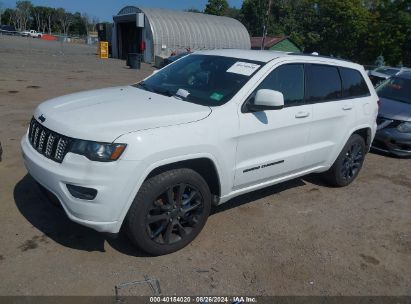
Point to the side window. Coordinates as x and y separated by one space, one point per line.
289 80
353 83
323 83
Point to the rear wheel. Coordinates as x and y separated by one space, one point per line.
348 164
169 211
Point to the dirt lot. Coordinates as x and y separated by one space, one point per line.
297 238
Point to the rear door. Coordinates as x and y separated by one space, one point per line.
356 89
333 113
272 143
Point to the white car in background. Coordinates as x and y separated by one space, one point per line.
153 157
31 33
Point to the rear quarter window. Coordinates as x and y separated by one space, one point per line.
323 83
353 83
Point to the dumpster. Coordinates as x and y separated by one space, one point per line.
134 60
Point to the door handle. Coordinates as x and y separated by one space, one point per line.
346 107
302 114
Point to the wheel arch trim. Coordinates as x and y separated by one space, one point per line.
351 132
149 168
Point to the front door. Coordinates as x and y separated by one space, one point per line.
271 143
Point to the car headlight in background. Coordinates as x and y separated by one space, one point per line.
104 152
405 127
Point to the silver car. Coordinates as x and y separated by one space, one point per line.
394 116
378 75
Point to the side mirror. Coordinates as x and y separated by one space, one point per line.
267 100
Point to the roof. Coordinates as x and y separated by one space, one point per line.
178 29
268 55
268 42
255 55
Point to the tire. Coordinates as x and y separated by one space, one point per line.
348 163
169 211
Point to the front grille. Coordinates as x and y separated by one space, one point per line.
48 143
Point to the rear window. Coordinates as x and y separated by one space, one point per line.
353 83
323 83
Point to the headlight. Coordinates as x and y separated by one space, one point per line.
405 127
103 152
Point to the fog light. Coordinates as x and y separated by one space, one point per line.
82 192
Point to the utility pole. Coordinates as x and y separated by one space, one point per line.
265 26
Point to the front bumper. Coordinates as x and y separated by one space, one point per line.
112 181
390 140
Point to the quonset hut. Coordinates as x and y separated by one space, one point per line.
160 32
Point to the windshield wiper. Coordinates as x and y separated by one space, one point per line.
144 86
164 92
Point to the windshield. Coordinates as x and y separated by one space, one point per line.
203 79
396 88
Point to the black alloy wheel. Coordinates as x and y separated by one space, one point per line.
169 211
352 162
174 214
348 164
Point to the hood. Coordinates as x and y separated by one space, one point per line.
105 114
395 110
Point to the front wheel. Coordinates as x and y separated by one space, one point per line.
348 163
169 211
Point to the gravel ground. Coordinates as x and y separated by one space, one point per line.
297 238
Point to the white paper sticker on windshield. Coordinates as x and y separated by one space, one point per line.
243 68
183 93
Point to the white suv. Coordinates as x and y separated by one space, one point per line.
153 157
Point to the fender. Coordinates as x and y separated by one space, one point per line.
161 162
351 132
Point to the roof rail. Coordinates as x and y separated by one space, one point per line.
315 54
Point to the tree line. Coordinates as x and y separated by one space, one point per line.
49 20
359 30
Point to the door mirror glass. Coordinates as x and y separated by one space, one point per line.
267 100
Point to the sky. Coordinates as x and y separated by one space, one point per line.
105 9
